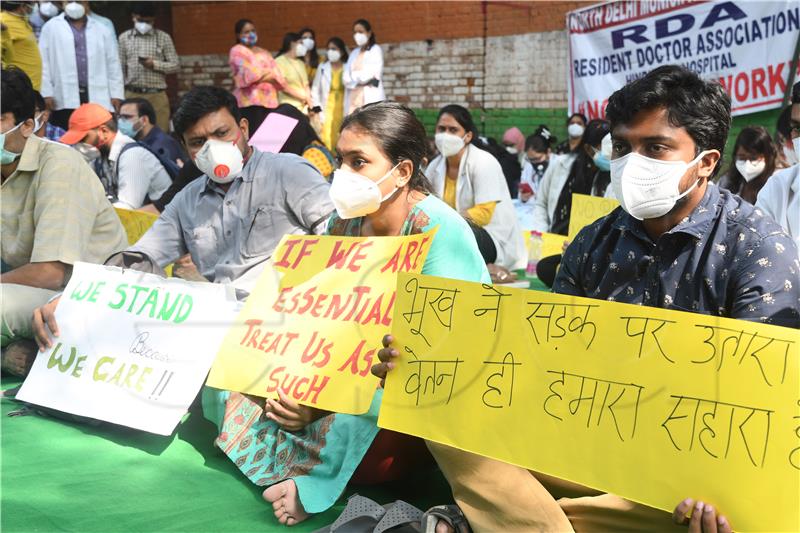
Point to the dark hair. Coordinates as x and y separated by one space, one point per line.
796 93
701 107
782 125
580 116
368 27
239 26
199 102
313 58
399 134
464 119
18 95
144 9
595 130
339 43
537 143
288 39
111 124
38 102
754 139
9 5
143 108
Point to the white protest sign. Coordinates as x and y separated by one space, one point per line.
134 348
747 46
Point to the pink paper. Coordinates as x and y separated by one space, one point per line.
273 132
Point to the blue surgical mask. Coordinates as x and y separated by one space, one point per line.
7 157
126 127
601 161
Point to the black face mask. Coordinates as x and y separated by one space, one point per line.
539 166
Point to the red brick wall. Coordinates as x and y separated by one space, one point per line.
207 27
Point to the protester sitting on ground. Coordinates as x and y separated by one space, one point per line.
567 174
131 174
363 72
327 92
311 59
691 251
783 140
137 120
576 123
297 89
383 143
54 213
537 158
42 127
471 181
780 197
754 162
256 77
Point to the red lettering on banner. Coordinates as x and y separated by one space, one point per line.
289 246
776 79
352 361
339 254
759 77
317 347
292 385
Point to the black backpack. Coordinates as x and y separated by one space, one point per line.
111 183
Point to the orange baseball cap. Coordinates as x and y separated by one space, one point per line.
83 119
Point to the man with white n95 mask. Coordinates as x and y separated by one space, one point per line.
231 219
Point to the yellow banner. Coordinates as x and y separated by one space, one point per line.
649 404
315 319
552 243
586 209
136 223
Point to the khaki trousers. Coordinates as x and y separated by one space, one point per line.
496 496
18 303
160 103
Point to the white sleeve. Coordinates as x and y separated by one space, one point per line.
541 217
45 46
116 82
137 168
347 76
316 88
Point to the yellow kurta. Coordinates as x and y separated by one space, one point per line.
294 72
334 110
20 48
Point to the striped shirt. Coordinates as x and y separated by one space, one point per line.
155 44
54 209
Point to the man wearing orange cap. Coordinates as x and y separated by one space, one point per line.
54 213
131 175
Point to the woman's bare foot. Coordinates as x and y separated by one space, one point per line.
283 497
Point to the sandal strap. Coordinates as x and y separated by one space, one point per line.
397 514
358 507
452 514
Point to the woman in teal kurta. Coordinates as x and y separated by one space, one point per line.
306 470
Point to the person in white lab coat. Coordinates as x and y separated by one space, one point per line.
470 180
363 72
80 63
327 92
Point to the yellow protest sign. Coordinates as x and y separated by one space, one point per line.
586 209
552 243
315 319
136 223
650 404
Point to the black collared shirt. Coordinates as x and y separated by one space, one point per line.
725 259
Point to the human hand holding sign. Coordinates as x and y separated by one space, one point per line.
385 355
44 324
290 415
704 519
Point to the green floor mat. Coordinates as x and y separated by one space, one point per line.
65 476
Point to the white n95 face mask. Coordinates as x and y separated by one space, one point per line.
74 10
575 130
334 55
360 38
750 169
649 188
221 161
300 50
48 9
448 144
355 195
309 43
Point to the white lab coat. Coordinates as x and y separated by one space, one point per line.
780 199
59 65
550 189
321 88
371 67
481 180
